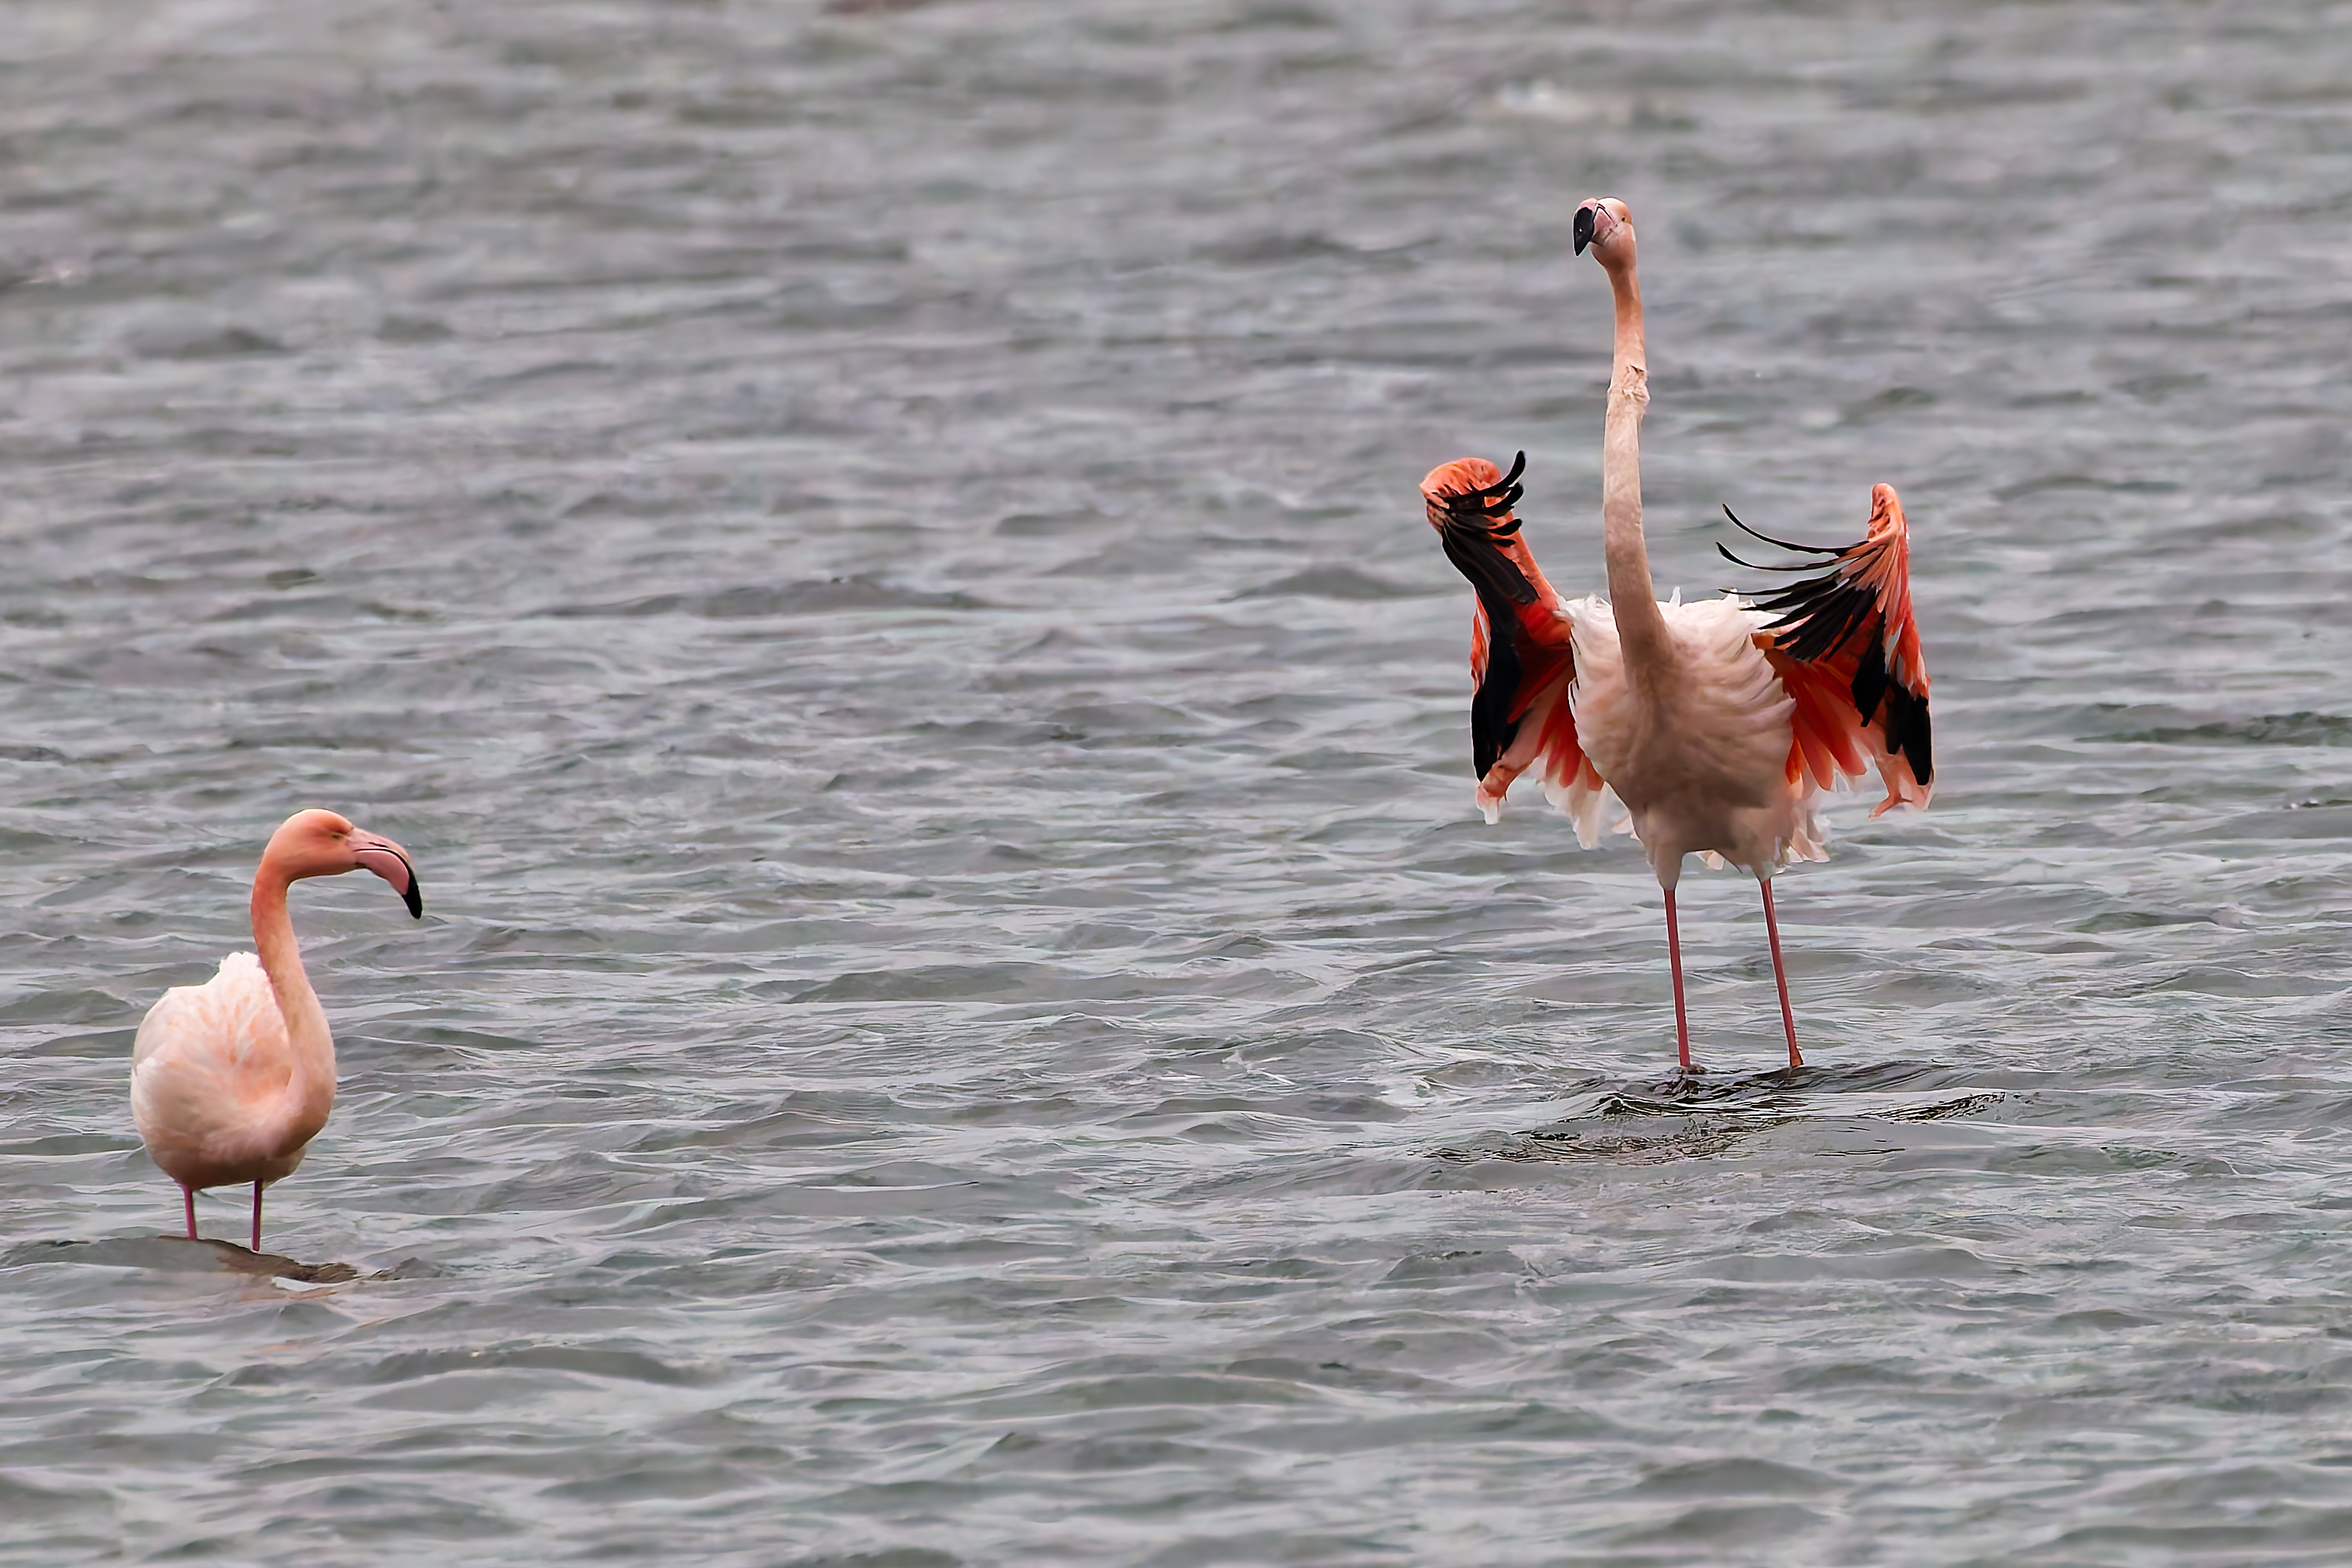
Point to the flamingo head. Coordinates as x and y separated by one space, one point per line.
1606 224
323 843
1471 488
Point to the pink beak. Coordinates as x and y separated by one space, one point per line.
390 862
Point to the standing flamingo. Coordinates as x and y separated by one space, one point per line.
1717 724
231 1080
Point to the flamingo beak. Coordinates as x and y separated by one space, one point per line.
390 862
1583 227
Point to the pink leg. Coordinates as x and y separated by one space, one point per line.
1674 961
256 1216
1780 974
188 1200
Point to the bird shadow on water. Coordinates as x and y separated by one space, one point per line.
1699 1115
178 1255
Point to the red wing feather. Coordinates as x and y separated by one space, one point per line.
1520 659
1847 649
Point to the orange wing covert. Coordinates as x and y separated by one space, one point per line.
1847 649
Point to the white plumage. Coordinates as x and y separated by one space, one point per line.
210 1075
1704 769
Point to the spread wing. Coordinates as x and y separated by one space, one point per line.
1520 657
1847 652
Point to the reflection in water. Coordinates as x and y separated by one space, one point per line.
178 1255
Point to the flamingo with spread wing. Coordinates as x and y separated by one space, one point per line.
1717 723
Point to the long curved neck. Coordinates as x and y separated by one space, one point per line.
1640 628
312 1089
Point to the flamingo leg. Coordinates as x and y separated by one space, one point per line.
1780 973
256 1216
188 1201
1674 962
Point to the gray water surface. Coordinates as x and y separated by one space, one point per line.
966 1015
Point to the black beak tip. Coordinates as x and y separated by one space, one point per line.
415 899
1583 228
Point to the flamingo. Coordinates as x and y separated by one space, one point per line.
231 1080
1717 723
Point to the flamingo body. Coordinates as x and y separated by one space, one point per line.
1704 770
213 1083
